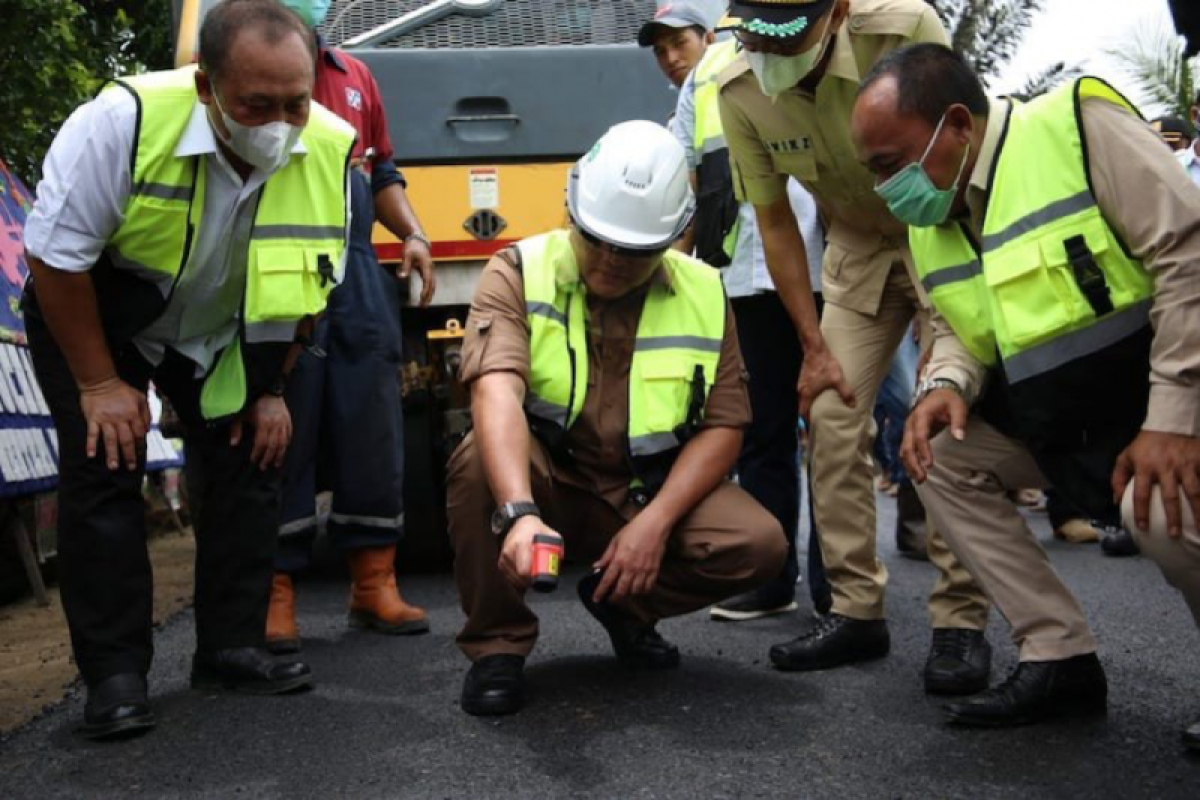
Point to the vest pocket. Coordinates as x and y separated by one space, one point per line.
1033 293
663 399
285 283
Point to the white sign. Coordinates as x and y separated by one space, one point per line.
485 187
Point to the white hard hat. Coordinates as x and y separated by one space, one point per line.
632 189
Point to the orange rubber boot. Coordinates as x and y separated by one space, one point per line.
282 635
375 601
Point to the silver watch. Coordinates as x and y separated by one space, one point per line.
930 384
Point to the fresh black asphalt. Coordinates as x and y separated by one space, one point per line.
383 720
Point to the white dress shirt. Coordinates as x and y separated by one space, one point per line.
81 203
1191 162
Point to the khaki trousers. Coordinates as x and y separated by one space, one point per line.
966 494
843 486
1179 559
728 544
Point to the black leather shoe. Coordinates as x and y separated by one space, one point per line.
117 708
959 662
635 643
1118 542
249 670
1191 737
494 686
1037 690
833 641
755 604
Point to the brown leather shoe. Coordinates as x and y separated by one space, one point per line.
282 635
375 601
1077 531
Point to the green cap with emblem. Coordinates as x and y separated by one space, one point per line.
779 19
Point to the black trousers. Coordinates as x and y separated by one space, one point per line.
768 466
104 569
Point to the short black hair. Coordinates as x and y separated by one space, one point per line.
228 18
929 79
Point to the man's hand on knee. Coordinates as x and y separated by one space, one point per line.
1169 461
938 410
119 415
632 560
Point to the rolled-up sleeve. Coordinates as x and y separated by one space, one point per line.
85 184
1154 207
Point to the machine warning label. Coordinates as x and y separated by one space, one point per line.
485 187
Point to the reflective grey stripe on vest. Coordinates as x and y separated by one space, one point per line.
959 272
1064 349
280 331
712 145
298 232
163 191
388 523
652 444
544 409
161 280
701 343
546 310
1043 216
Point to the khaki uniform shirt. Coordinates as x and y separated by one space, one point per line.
497 340
807 136
1152 205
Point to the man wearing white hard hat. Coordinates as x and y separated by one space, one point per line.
609 399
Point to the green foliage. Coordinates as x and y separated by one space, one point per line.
1042 82
986 32
1155 61
55 54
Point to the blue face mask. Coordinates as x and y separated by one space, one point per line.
313 12
912 196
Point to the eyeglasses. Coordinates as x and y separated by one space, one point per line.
617 250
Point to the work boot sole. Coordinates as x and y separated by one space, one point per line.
121 729
206 683
283 646
363 620
945 687
1075 709
732 615
493 706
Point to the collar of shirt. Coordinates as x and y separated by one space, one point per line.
977 189
842 64
328 55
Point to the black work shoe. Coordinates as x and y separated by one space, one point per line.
249 670
833 641
117 708
1191 737
494 686
1117 542
635 643
1035 691
765 602
959 662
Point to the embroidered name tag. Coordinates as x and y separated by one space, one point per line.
781 146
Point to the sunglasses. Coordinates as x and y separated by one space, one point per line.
617 250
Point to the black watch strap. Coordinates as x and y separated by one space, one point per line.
507 514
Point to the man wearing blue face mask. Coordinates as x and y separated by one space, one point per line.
1050 235
188 226
785 109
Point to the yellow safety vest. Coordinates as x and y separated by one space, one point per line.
1051 281
716 206
295 246
675 357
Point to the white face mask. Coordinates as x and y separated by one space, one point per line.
266 147
776 74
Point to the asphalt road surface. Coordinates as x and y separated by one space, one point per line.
384 720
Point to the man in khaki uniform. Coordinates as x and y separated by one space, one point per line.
785 107
1090 404
649 335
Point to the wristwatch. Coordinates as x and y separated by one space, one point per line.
930 384
506 515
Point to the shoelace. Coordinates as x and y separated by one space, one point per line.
952 642
825 626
